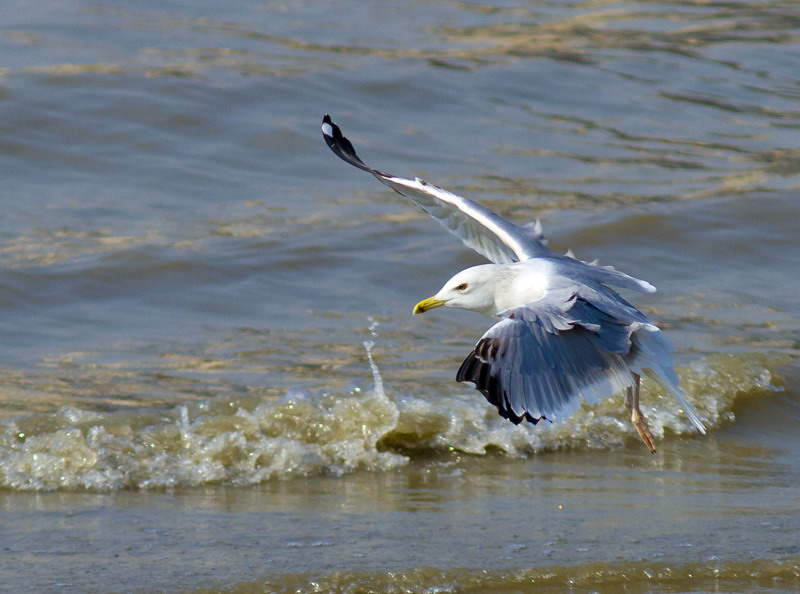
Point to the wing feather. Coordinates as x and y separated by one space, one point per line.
498 240
538 361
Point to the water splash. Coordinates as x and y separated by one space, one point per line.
246 440
368 345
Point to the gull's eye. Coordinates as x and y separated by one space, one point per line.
462 287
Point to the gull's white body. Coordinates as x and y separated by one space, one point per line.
563 332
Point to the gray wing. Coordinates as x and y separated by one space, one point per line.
588 273
539 360
498 240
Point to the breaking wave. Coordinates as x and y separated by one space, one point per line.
247 440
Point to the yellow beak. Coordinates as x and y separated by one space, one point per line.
426 304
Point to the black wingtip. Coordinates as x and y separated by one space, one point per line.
477 371
340 145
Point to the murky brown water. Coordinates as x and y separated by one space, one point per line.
189 278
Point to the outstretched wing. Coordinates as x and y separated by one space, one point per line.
478 227
539 360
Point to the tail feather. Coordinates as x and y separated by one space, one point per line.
651 357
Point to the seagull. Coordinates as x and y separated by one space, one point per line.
561 332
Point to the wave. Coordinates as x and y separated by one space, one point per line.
759 575
245 440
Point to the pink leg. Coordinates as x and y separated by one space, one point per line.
637 417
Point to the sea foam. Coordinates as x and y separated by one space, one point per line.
248 440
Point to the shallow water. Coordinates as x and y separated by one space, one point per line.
209 367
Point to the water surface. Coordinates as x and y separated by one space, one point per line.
189 279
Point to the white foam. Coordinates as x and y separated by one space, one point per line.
246 441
